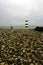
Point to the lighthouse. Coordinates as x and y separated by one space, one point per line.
26 23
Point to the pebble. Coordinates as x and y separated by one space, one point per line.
15 59
3 63
36 63
31 64
18 52
24 51
30 60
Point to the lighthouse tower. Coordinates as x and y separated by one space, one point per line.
26 23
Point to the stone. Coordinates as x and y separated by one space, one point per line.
30 60
36 63
31 64
2 63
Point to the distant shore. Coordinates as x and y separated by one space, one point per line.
19 27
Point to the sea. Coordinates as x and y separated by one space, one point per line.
19 27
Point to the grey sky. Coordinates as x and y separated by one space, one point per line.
15 12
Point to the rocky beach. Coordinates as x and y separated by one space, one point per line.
21 47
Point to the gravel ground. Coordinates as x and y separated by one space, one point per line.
21 47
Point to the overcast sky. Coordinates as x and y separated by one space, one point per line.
15 12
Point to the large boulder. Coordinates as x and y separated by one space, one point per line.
39 28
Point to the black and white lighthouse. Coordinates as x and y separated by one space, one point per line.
26 23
